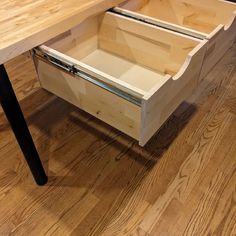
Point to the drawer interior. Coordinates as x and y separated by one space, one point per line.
133 54
202 15
143 72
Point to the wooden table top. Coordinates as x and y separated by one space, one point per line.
26 24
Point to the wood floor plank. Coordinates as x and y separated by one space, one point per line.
210 210
190 171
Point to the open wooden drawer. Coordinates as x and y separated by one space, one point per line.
214 20
130 74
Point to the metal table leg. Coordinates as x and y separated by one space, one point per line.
16 119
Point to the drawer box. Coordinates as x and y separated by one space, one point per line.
130 74
214 20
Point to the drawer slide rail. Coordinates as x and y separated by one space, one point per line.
73 69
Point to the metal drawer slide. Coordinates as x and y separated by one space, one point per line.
75 70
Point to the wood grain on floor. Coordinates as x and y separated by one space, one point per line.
102 183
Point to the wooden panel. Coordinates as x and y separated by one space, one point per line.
134 5
81 46
28 23
102 104
201 15
160 103
219 42
155 48
134 75
79 41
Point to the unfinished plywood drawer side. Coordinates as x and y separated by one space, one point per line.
129 74
214 20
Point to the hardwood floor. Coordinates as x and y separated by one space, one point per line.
102 183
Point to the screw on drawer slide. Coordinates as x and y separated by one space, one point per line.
69 67
73 69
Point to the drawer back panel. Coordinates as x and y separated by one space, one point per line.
158 49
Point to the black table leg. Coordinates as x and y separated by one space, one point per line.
16 119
